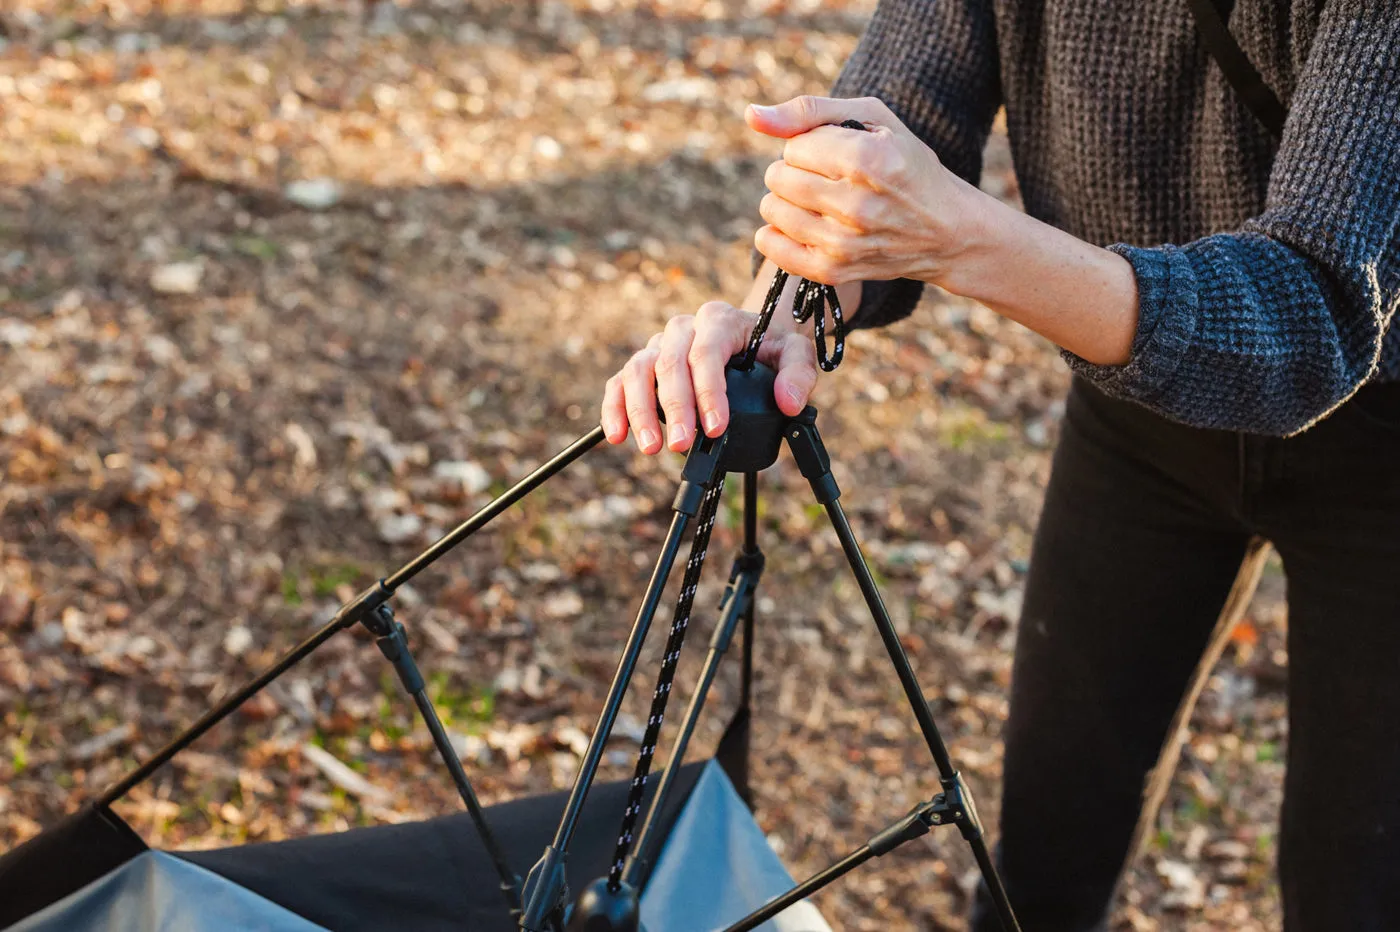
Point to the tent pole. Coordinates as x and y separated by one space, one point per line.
815 464
942 809
546 887
750 546
352 613
483 517
217 714
392 640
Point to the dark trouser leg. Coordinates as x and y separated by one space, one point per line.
1133 558
1336 523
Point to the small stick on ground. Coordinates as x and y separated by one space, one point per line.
1160 779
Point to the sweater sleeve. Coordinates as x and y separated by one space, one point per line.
1268 328
934 63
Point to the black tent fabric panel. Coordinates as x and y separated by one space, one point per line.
431 876
157 892
82 847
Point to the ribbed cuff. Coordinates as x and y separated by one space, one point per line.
1167 318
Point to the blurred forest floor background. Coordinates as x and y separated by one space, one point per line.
289 288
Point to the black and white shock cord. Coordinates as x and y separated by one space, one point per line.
809 302
709 507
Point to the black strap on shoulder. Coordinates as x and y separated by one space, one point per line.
1238 69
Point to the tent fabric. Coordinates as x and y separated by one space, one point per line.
81 848
717 867
157 892
430 876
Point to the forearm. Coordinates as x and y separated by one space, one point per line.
1077 295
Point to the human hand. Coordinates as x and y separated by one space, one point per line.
683 367
847 206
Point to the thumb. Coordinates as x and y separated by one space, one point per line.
796 363
805 113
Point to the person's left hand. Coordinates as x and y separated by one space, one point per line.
847 206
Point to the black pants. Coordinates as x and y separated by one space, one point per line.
1144 527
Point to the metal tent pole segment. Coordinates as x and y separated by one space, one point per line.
217 714
902 667
350 614
393 644
750 546
483 517
968 824
942 809
803 890
815 464
546 887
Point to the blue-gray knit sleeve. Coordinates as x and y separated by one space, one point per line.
1268 328
934 63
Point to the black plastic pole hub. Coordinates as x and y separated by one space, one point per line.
755 421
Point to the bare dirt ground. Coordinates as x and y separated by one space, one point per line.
288 288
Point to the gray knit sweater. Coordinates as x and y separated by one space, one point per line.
1267 274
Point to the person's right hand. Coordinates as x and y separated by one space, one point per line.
683 368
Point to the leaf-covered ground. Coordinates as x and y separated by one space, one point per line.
289 287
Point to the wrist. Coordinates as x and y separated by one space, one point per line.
980 244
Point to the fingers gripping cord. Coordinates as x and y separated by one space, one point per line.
709 506
809 303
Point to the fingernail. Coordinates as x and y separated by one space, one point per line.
794 394
762 110
648 438
711 421
677 433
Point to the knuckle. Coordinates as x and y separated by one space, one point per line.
772 173
821 267
704 343
836 243
669 363
637 367
865 216
893 165
868 161
701 353
772 209
712 312
679 325
806 105
708 397
875 104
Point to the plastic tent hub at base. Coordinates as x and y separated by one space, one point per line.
600 909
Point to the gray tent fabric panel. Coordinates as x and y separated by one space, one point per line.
716 867
155 892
